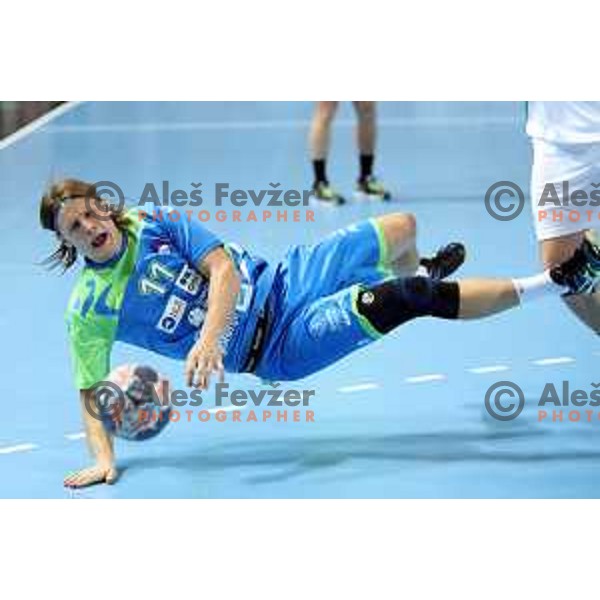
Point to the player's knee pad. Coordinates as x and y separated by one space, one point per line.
391 303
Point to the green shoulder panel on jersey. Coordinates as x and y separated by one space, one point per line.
93 312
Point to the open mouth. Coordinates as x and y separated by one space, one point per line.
100 240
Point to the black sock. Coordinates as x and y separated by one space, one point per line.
366 166
319 168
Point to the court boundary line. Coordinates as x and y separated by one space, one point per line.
163 126
36 124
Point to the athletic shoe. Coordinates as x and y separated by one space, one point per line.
581 273
325 193
445 261
372 189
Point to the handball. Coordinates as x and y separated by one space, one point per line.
132 402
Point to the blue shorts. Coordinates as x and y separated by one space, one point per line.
312 320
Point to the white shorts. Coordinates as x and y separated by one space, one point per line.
565 188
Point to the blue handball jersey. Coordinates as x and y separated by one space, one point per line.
152 295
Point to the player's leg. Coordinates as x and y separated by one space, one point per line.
364 252
320 136
561 227
484 297
572 279
366 136
332 327
393 302
399 253
397 233
366 133
585 306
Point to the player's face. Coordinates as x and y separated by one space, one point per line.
99 239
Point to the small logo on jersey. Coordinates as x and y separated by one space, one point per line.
196 316
368 298
172 314
160 247
189 280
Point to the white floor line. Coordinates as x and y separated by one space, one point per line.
559 360
488 369
403 122
18 448
228 408
425 378
36 124
359 387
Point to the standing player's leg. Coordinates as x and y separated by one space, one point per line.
320 135
368 186
559 233
585 306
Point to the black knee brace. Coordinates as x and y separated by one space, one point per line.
393 302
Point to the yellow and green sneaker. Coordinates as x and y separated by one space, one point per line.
372 189
323 192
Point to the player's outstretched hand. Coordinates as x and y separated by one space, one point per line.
90 476
205 357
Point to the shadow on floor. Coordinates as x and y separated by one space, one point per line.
298 456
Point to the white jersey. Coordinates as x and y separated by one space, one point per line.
573 122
